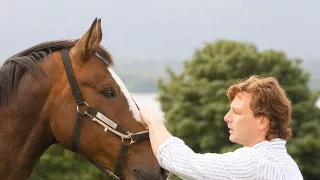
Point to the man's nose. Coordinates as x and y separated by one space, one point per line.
227 117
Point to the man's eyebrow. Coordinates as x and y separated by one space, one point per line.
234 107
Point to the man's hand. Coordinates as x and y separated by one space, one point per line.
157 131
149 118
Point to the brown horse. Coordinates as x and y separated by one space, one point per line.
65 92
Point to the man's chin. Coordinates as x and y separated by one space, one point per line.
232 139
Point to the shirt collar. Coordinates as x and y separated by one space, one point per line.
275 143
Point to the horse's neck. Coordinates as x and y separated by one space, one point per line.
24 134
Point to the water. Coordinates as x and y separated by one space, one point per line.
318 103
148 101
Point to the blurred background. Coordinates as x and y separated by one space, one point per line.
154 43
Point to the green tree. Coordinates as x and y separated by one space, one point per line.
195 101
59 163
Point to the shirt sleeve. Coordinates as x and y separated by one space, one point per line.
174 156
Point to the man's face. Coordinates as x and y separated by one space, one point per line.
243 126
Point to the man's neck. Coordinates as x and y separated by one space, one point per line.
254 142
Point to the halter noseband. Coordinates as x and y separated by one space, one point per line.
127 137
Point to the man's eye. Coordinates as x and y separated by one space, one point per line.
236 112
109 93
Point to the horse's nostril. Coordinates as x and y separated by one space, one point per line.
164 173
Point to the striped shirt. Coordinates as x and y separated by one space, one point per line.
267 160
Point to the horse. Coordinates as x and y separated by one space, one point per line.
66 92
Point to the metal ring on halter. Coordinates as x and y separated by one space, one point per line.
131 140
84 103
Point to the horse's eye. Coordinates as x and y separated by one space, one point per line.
109 93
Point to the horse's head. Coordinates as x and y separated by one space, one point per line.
92 112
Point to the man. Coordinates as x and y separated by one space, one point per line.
259 119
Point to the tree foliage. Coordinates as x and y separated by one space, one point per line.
59 163
195 101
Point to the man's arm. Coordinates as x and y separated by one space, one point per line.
157 131
178 158
158 135
173 155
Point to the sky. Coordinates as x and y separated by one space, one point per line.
163 30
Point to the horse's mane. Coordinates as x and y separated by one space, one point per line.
28 61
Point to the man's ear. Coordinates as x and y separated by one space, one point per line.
88 42
264 123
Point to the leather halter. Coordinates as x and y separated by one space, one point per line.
127 137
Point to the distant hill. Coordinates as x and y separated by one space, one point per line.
142 76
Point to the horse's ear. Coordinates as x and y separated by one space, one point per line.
91 40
